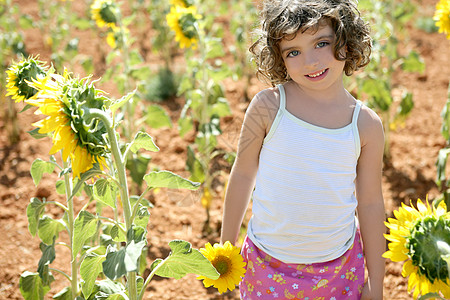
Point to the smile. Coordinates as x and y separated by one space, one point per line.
317 74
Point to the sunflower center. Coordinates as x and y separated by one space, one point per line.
423 249
107 13
187 24
222 265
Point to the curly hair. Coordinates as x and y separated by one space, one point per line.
284 18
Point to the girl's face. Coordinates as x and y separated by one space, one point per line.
309 58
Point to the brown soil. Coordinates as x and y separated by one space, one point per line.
410 173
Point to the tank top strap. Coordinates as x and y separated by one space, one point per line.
355 127
282 97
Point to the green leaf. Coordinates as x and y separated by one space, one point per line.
64 294
118 263
35 134
107 290
137 233
143 140
214 48
117 234
413 62
135 58
183 260
49 229
185 125
121 102
39 167
26 22
105 191
81 23
430 296
31 286
138 164
48 256
156 117
35 210
90 268
142 216
406 105
170 180
141 73
221 108
85 227
194 166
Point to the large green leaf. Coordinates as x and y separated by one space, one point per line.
49 228
195 166
85 227
184 260
170 180
118 263
143 140
35 210
138 165
31 286
90 268
38 168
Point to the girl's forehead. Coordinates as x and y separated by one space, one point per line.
322 29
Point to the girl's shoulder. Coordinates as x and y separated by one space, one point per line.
370 126
263 107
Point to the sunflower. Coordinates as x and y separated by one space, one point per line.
182 20
19 74
442 17
413 237
65 101
228 262
105 13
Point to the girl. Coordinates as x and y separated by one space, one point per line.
312 156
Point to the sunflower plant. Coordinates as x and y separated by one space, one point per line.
107 242
202 89
420 237
127 69
442 19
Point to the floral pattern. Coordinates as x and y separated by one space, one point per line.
269 278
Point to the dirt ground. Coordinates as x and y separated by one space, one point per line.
409 174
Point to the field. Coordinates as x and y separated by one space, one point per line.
410 173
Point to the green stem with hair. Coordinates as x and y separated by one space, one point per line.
123 188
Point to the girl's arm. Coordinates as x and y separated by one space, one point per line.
259 115
370 209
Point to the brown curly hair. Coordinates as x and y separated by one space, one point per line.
283 18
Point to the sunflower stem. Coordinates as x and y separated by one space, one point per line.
150 276
71 220
120 166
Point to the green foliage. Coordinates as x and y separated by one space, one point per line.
183 260
388 19
101 246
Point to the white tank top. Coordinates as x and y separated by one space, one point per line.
304 199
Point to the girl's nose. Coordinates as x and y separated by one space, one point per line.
311 61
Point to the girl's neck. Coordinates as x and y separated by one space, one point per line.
332 94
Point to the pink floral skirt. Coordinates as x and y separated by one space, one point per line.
270 278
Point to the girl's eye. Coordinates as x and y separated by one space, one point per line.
322 44
293 53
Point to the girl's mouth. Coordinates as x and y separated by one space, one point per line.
317 75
